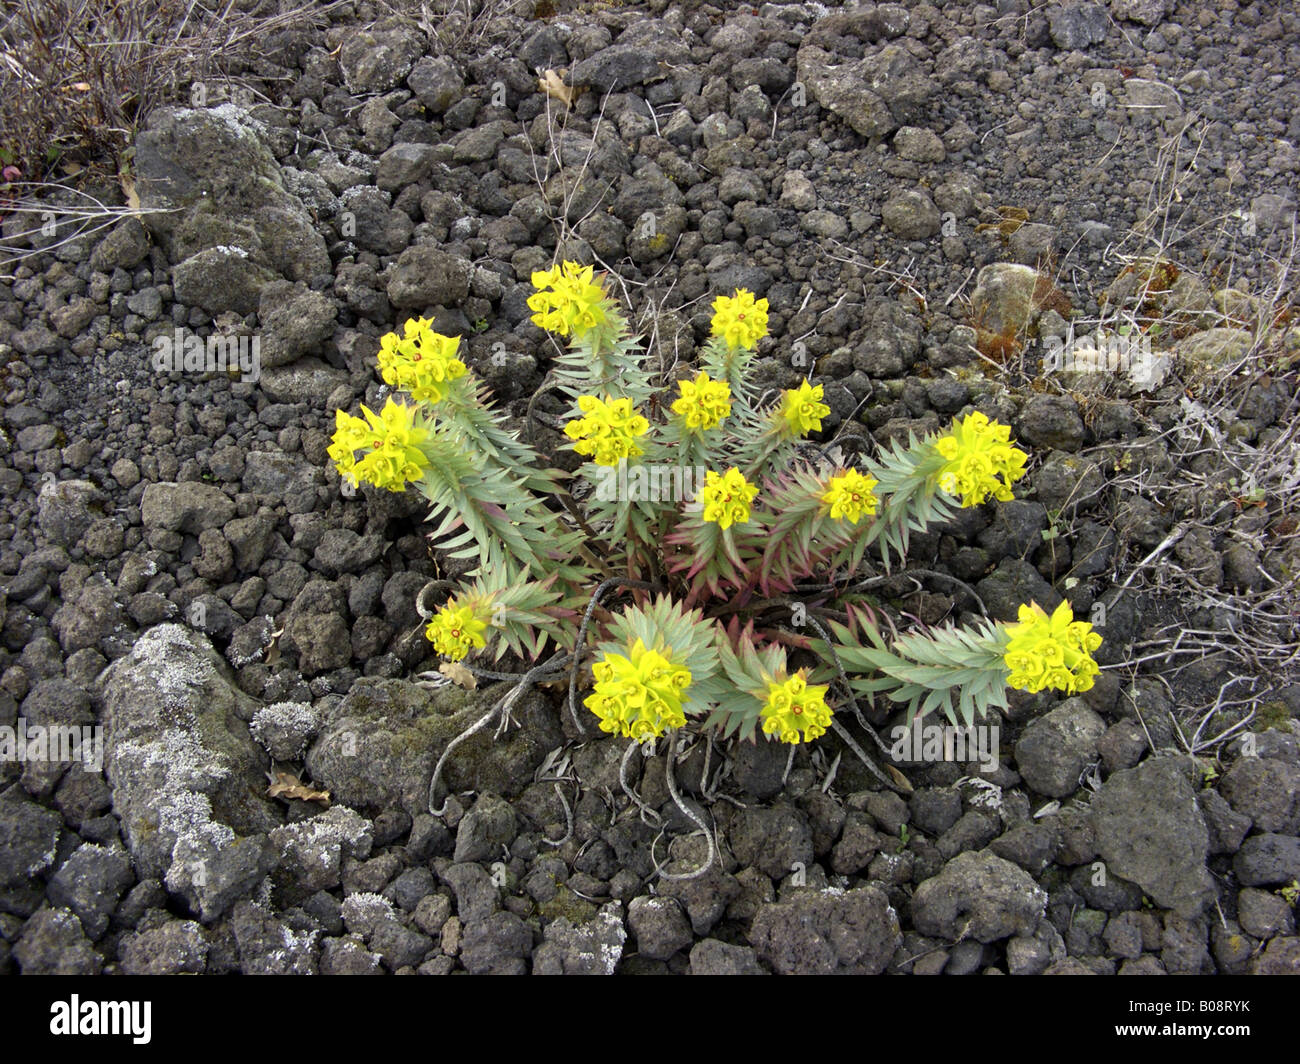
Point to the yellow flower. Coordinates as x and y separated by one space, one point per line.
608 432
726 498
795 712
454 630
1055 651
639 695
704 402
567 300
850 496
392 440
350 435
803 409
982 461
421 361
740 319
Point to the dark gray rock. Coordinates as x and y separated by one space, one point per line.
295 322
1150 830
1226 826
486 830
771 839
593 947
425 276
437 83
125 247
635 58
177 947
311 851
89 883
29 839
190 507
979 896
828 931
1055 749
220 280
268 946
52 943
659 927
284 729
712 957
1264 914
1280 957
874 95
1051 421
911 214
1267 860
1075 26
65 509
1266 790
379 57
500 944
348 956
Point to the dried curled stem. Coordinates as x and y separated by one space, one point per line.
501 708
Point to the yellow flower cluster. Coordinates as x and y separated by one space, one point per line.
455 630
726 498
639 695
803 409
704 404
574 304
608 432
795 712
1053 651
740 320
850 496
392 439
982 461
421 361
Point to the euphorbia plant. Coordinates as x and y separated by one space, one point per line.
708 582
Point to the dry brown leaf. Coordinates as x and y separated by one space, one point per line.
553 85
458 674
128 189
287 785
273 647
900 779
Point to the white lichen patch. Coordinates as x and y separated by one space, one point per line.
365 913
283 729
324 837
175 665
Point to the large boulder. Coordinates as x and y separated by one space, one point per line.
207 179
188 781
875 95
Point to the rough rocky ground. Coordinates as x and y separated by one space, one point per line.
180 568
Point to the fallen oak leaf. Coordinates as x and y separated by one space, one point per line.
272 654
553 85
458 674
287 785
